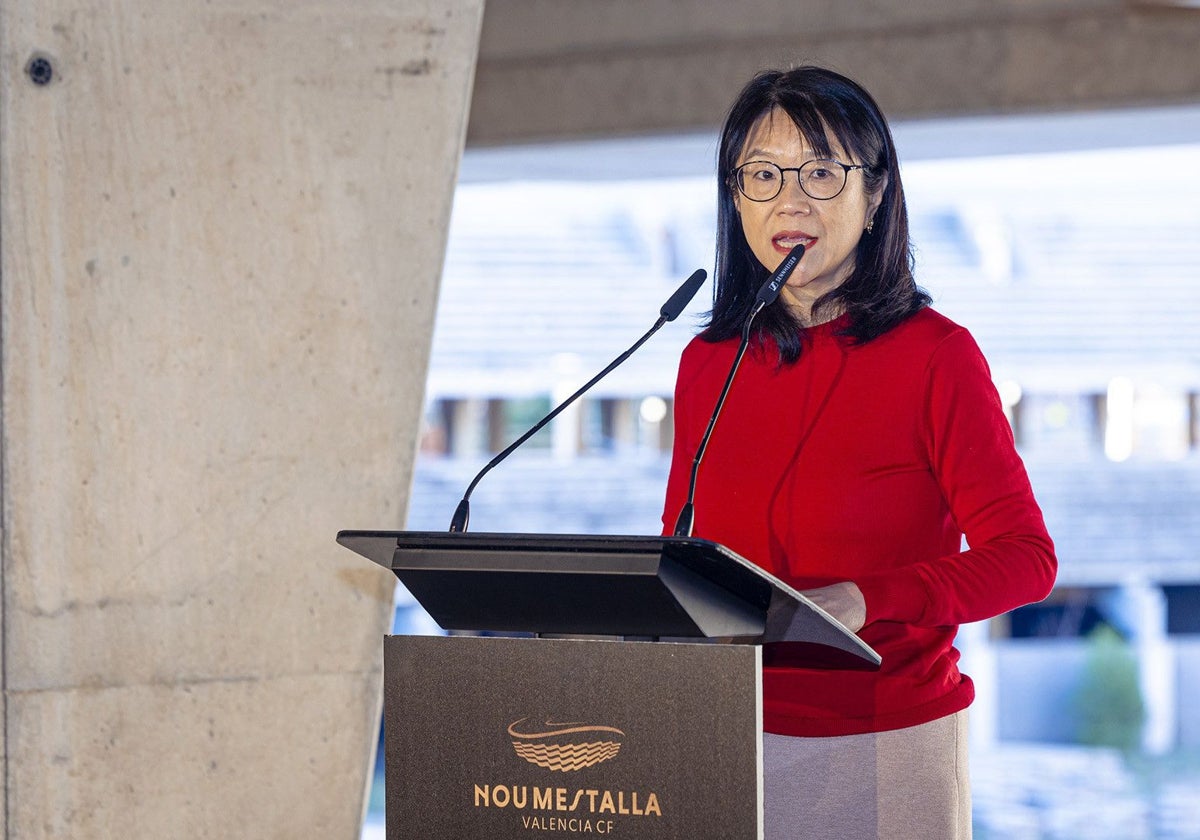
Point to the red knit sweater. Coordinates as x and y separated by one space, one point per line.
866 462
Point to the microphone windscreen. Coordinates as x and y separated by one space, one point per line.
770 290
683 295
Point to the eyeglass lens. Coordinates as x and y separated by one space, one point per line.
762 181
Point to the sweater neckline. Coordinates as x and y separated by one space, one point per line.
828 329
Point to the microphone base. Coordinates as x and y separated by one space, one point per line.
686 520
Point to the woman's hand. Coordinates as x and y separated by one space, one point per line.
844 601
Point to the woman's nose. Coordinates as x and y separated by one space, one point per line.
792 195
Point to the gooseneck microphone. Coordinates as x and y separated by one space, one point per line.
767 294
668 312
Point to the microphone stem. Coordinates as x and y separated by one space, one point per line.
768 292
683 525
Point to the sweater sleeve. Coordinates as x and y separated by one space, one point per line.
1010 560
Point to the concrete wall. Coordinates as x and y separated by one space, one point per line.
222 229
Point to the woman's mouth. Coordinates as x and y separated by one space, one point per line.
786 240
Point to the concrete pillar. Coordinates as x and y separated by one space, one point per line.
1140 608
624 423
222 226
979 663
566 430
470 427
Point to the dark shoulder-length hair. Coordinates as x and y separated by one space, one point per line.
881 291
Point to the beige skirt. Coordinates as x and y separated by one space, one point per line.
906 784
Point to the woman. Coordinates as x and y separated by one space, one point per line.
861 440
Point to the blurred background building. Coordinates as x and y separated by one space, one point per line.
1076 271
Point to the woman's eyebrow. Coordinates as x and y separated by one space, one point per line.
809 154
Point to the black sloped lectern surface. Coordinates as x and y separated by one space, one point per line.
639 586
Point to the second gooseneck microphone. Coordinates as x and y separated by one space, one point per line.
767 294
668 312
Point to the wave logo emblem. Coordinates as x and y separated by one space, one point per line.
564 747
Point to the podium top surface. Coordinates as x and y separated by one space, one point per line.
661 586
560 552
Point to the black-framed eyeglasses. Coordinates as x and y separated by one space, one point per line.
822 179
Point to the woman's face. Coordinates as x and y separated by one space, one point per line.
829 229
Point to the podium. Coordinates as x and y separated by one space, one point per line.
590 697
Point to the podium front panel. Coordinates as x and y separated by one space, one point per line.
501 738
